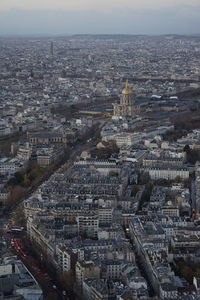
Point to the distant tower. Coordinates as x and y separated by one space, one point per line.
127 106
51 52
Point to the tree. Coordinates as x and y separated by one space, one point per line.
102 153
163 182
27 180
67 280
178 179
113 173
51 296
186 149
144 178
145 195
197 272
18 216
188 182
193 156
17 179
185 269
135 190
187 273
17 194
113 146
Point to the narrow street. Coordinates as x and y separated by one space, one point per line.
18 244
17 247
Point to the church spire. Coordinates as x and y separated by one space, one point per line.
126 90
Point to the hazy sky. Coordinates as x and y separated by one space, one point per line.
99 16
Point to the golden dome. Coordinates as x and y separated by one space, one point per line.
126 90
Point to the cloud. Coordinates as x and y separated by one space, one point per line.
102 5
178 19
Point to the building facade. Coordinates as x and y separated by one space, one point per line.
127 106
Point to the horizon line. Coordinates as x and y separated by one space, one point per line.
95 34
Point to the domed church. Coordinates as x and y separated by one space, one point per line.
127 106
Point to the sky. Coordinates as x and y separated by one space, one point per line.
63 17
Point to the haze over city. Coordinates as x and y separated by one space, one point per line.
99 150
98 17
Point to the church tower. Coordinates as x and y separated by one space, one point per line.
126 107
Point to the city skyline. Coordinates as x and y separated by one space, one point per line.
99 167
